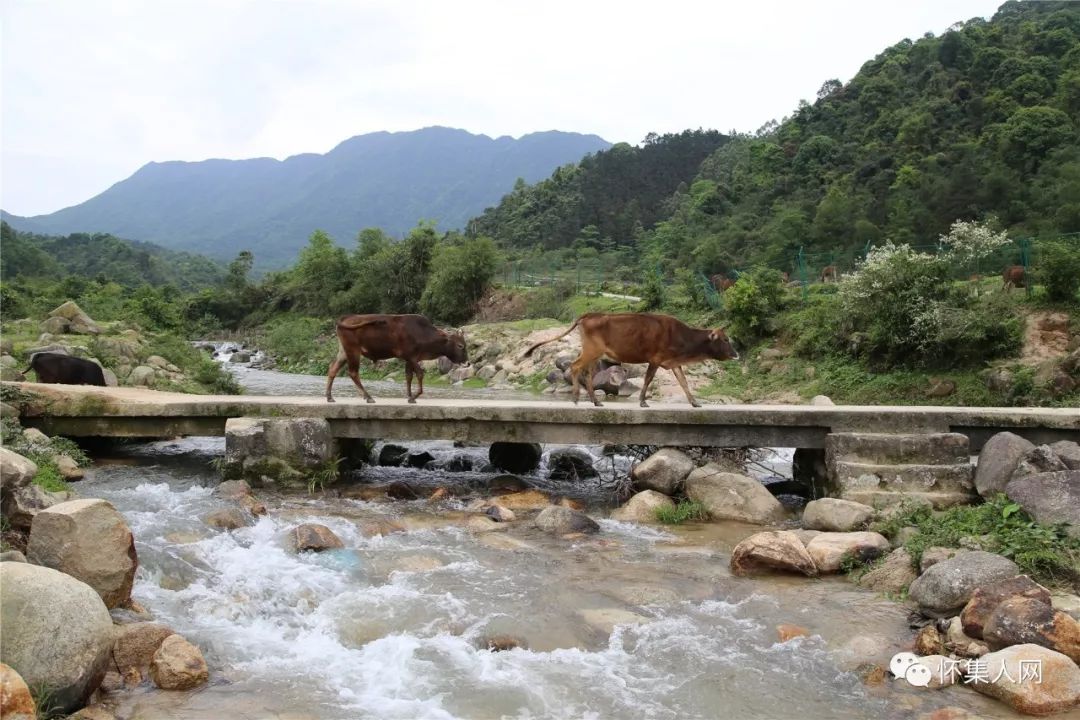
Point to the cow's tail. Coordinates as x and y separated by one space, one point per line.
529 352
31 364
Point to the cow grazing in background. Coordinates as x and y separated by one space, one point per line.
828 274
54 367
411 338
659 340
721 283
1013 277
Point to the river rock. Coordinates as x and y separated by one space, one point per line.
178 665
1068 452
1018 620
524 500
892 576
15 470
279 452
786 632
561 520
997 462
836 515
89 540
1056 689
767 551
609 380
57 632
730 496
1040 459
946 587
1050 498
663 471
419 459
829 549
232 490
518 458
392 455
8 411
962 644
312 536
16 702
21 505
498 513
483 524
228 519
507 484
642 507
93 712
985 600
570 464
36 437
134 649
69 469
12 556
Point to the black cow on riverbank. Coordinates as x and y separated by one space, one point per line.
52 367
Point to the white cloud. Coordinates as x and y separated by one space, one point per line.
93 89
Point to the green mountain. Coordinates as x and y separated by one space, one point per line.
127 263
614 193
270 207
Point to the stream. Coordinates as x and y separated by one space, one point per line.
634 622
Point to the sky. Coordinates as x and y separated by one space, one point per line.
91 90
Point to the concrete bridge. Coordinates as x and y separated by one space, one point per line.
81 411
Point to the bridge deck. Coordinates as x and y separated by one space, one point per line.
130 412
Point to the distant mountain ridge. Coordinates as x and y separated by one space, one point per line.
382 179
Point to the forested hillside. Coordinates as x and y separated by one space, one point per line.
130 264
611 195
270 207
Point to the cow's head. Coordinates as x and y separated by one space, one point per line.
720 346
455 347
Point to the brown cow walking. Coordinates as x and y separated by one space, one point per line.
828 274
721 283
1013 277
659 340
411 338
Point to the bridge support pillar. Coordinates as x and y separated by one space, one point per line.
283 453
883 469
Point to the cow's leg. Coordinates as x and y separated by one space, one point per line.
413 368
677 371
354 373
584 363
649 373
335 368
419 379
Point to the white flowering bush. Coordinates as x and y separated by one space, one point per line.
970 241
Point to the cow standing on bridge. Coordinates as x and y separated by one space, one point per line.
63 369
659 340
411 338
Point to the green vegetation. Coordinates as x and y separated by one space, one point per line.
1000 526
48 476
685 511
327 474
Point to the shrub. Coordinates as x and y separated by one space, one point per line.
460 276
754 302
1058 270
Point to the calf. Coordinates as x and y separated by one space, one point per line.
53 367
411 338
659 340
1013 277
721 283
828 274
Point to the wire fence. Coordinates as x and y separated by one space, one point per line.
801 269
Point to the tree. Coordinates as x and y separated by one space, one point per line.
320 274
1031 133
461 275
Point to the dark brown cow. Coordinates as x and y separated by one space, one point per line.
659 340
1013 277
411 338
61 368
828 274
721 283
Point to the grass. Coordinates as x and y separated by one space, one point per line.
1044 552
325 475
685 511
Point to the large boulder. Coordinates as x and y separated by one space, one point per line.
513 457
228 518
1050 498
21 505
312 536
642 507
141 376
892 576
730 496
78 321
278 452
562 520
134 648
57 632
1041 459
830 550
89 540
178 665
609 380
985 600
16 702
663 471
771 551
1068 452
945 588
1020 620
836 515
15 470
1001 675
997 462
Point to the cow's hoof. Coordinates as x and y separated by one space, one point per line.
597 403
329 399
412 401
643 404
370 399
695 404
